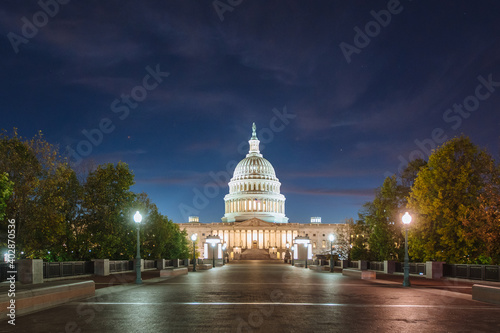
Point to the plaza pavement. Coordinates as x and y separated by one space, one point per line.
264 296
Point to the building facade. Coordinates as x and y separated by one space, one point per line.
255 220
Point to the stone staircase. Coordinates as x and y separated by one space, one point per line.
255 254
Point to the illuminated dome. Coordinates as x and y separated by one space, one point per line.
254 167
254 190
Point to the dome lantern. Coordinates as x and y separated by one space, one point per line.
254 143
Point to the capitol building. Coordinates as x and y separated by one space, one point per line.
254 225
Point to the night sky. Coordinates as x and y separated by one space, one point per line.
343 93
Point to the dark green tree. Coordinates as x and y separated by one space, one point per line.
381 216
359 240
38 172
107 209
6 187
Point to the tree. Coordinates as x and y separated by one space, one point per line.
342 245
107 212
445 190
380 224
35 167
157 230
52 205
6 187
359 240
177 245
482 223
409 175
61 214
381 218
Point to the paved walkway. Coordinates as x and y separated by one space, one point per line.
260 296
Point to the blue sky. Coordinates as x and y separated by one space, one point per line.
338 110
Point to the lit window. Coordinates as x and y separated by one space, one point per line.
314 245
323 244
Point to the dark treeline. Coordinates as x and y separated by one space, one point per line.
454 199
81 213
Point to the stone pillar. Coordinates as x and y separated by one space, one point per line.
362 264
142 264
389 266
434 269
101 267
160 264
30 271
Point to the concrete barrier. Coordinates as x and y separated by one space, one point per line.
365 275
319 268
434 269
487 294
173 271
42 297
201 267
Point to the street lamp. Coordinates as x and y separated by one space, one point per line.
331 238
213 240
193 238
287 247
138 219
224 246
293 249
406 281
307 251
303 240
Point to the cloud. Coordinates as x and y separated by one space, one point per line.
330 173
174 177
368 193
343 124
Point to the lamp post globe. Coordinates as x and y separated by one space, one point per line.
406 280
138 220
331 238
193 238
